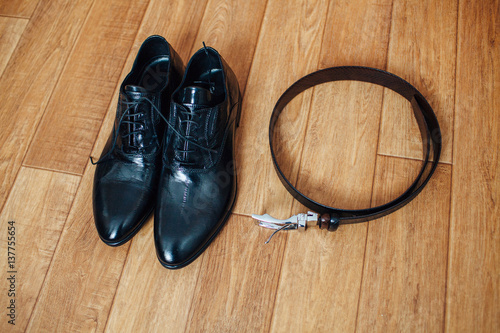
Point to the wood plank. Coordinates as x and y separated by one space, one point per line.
473 296
232 28
423 52
81 281
407 250
225 23
276 66
11 30
337 163
79 103
28 81
404 276
336 167
319 282
162 297
39 204
350 32
84 276
18 8
238 279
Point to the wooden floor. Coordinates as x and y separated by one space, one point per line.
432 266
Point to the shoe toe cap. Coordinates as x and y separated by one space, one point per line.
179 242
190 211
119 209
173 254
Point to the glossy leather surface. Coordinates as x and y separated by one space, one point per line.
197 187
126 177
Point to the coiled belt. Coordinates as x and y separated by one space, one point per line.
329 217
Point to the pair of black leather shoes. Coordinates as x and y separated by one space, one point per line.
171 150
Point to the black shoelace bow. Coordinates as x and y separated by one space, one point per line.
131 120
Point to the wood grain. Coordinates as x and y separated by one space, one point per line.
322 270
238 276
404 276
423 52
319 283
82 279
28 81
473 297
162 297
337 163
286 57
356 33
11 30
18 8
405 272
232 28
79 103
39 204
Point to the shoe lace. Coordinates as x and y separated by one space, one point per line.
191 123
134 105
183 148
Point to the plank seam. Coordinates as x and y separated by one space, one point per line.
28 166
446 282
63 70
35 9
20 37
17 43
10 191
1 76
374 171
242 214
29 146
202 259
192 48
285 242
372 195
255 49
412 158
52 258
118 284
17 16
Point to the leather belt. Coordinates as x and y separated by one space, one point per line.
329 217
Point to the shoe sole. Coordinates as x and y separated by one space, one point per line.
132 233
228 214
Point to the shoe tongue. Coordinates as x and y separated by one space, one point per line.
195 97
134 92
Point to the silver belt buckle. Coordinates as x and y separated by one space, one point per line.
295 222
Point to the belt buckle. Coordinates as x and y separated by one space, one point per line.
295 222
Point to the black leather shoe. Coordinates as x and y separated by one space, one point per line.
126 177
197 187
